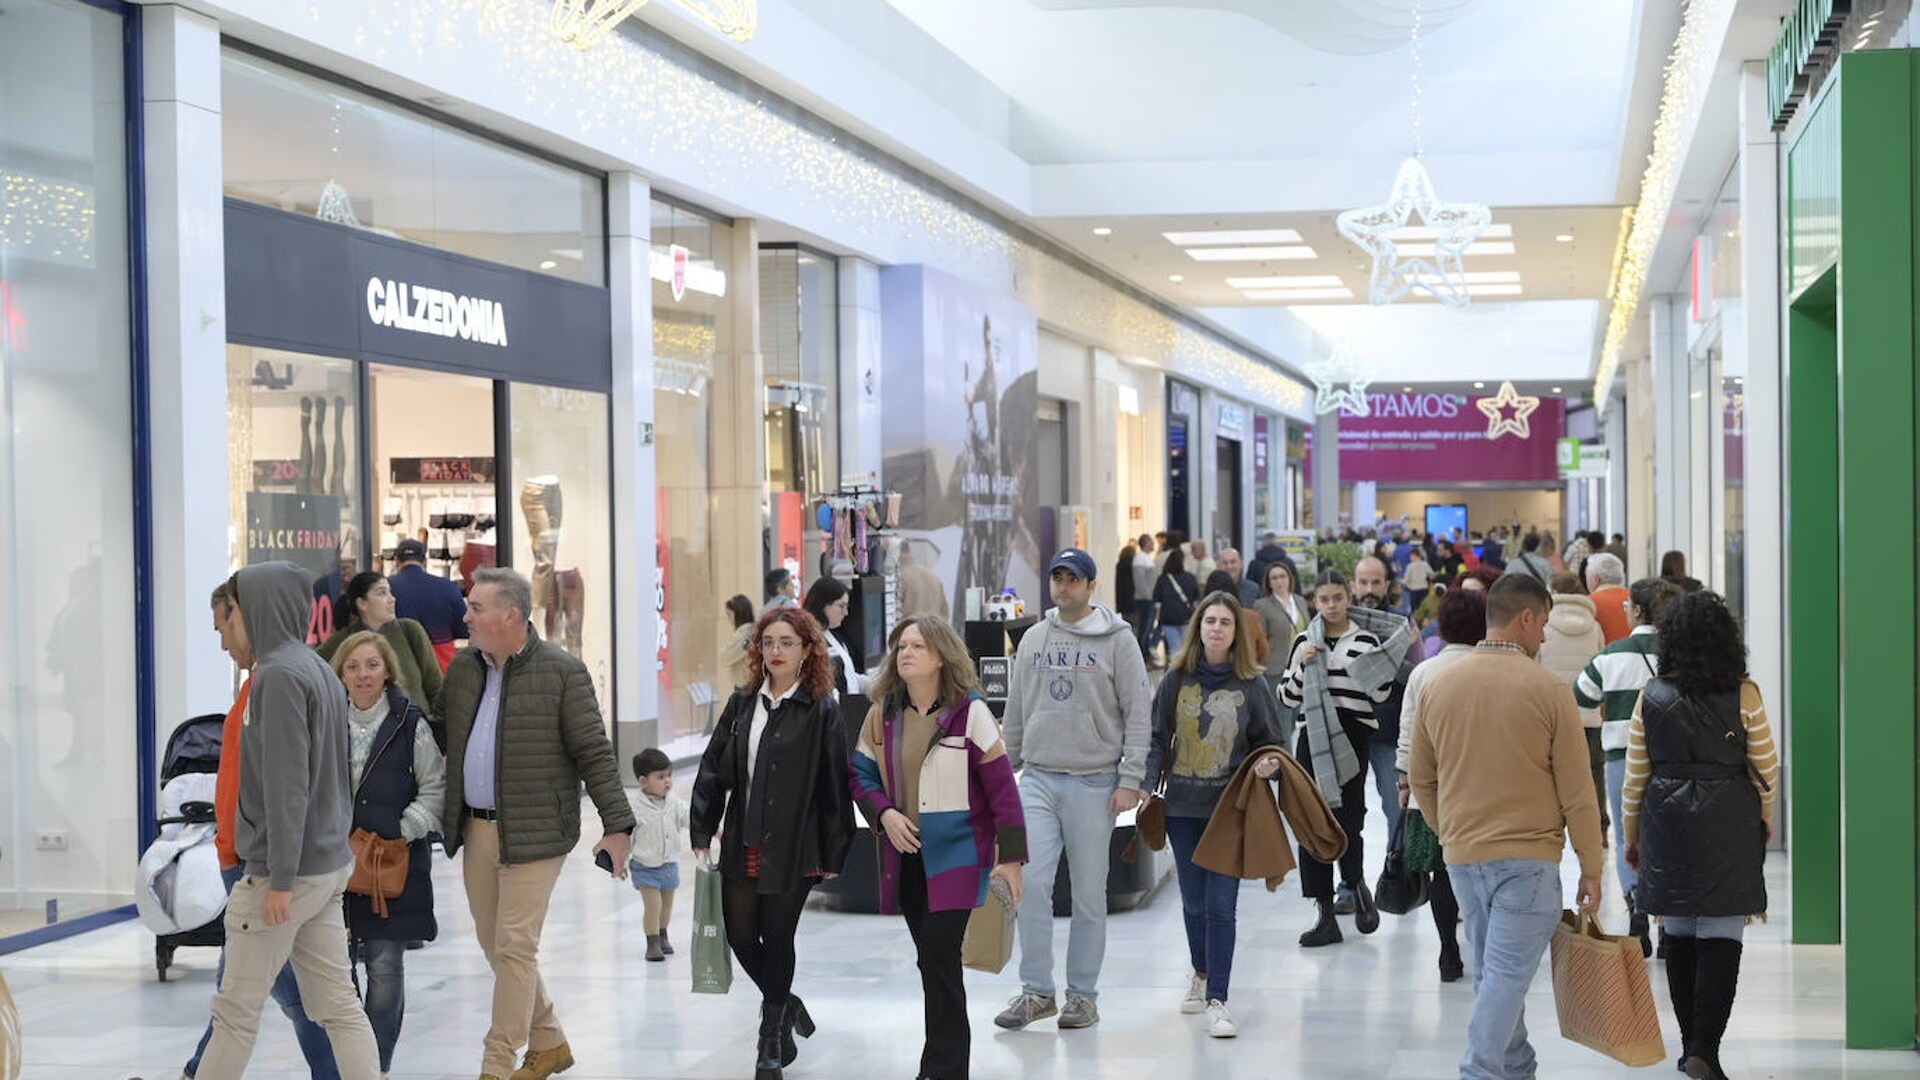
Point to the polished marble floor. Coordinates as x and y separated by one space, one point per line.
1372 1007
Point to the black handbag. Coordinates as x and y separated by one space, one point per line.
1400 890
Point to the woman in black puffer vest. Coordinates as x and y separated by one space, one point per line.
399 782
1698 809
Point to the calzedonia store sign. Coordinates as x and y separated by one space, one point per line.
312 286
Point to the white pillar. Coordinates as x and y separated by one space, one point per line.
1766 585
1326 472
860 372
637 616
1637 470
186 357
1672 436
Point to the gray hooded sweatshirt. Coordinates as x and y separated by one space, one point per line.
296 802
1079 701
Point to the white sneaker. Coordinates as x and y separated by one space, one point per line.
1220 1021
1196 1000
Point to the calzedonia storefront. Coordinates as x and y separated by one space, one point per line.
422 361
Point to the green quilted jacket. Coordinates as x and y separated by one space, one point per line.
551 741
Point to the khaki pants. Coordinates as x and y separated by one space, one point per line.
315 940
509 909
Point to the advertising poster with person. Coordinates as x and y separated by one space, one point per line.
958 432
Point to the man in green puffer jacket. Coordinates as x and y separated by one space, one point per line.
523 734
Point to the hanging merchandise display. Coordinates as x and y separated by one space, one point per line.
1449 228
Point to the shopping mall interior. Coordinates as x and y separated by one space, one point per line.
658 301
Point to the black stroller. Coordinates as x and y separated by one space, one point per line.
193 752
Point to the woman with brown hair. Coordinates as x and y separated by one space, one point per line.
1211 711
775 771
931 774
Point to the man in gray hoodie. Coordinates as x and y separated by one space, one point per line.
1076 726
291 834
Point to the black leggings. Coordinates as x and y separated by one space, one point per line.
1316 877
760 929
1446 910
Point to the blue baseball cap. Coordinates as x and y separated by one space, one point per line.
1074 561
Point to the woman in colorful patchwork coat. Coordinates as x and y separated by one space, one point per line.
931 775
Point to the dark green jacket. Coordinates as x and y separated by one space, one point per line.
419 670
550 741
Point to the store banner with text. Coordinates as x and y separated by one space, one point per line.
1442 439
961 401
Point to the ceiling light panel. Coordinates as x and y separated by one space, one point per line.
1427 232
1251 254
1233 236
1298 294
1298 281
1497 247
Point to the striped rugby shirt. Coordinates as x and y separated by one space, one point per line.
1352 701
1612 683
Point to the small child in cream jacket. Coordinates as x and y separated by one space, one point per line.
659 840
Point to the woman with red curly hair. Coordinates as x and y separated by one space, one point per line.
775 771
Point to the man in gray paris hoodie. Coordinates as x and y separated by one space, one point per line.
1076 726
291 833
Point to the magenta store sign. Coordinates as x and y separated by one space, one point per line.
1441 439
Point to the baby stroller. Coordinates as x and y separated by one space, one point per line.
180 895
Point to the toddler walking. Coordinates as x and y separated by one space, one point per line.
659 839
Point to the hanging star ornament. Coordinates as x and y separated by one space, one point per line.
1454 226
1498 423
1330 395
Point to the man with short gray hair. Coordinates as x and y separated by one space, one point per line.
1607 588
523 734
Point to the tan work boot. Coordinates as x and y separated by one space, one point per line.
540 1064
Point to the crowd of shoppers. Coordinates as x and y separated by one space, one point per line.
1551 682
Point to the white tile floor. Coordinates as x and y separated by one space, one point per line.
1372 1007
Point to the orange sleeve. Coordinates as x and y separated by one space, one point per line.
226 787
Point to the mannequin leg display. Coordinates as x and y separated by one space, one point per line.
338 486
317 471
306 445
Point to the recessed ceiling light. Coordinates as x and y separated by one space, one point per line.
1565 238
548 264
1176 278
1342 293
1297 281
1233 236
1102 230
1556 389
1479 386
1250 254
1406 389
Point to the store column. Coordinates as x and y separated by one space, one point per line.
739 440
1672 434
187 367
1326 472
1637 472
637 615
860 371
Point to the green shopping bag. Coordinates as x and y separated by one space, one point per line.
712 963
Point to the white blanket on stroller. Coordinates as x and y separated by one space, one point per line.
180 887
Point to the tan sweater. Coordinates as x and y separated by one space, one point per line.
1499 763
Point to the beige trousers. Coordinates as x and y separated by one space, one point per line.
509 910
315 940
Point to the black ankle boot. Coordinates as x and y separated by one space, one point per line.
1324 932
766 1064
1716 977
1366 916
1637 924
1452 968
1681 960
795 1018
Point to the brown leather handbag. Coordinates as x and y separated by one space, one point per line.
379 867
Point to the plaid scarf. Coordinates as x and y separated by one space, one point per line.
1334 760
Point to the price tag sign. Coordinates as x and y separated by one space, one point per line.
995 677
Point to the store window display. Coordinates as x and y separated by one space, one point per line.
562 465
67 750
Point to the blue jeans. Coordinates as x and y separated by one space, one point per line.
1065 814
1723 927
1616 783
385 993
1511 907
286 994
1210 905
1174 636
1386 778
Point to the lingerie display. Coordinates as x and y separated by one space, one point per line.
561 595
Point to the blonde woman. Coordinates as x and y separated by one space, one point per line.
932 777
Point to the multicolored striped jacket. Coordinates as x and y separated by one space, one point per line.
969 803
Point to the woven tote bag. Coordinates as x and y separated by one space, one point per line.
1601 992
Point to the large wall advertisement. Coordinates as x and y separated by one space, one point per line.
961 397
1440 439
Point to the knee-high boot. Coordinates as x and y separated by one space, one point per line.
1716 977
1446 922
1681 963
773 1019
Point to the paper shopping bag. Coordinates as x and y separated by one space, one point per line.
712 963
989 941
9 1034
1601 992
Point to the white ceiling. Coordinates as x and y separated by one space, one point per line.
1532 342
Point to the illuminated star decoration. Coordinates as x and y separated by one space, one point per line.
1454 226
1496 407
581 23
1329 395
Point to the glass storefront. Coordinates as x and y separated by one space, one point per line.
302 144
692 345
800 356
68 758
562 469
